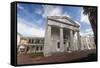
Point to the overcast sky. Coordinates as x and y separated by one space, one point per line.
32 18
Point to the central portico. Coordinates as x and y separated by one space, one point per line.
62 35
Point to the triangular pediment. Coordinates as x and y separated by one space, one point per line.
63 19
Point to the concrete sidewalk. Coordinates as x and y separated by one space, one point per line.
56 58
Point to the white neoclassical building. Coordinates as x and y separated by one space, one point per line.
60 35
87 42
31 45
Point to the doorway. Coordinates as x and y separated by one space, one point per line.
58 45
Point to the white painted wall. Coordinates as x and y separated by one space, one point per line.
87 43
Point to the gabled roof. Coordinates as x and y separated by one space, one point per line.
63 19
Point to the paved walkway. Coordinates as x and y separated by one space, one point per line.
63 57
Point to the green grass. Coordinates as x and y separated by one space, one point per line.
37 54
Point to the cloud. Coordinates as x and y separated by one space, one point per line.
20 7
30 31
39 11
87 32
84 18
53 11
66 14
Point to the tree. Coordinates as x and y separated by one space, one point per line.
92 15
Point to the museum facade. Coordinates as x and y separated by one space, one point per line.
61 35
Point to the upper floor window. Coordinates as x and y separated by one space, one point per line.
32 40
37 48
37 41
29 41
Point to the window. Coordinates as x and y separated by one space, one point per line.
32 40
41 48
33 46
29 41
37 48
37 41
58 44
64 42
42 41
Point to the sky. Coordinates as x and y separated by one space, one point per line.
31 18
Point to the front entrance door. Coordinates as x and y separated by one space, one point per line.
58 46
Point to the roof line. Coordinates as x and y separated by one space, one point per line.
63 22
64 17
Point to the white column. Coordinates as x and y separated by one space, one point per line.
47 45
61 40
49 39
75 41
79 41
71 40
30 49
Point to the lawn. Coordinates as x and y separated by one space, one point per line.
37 54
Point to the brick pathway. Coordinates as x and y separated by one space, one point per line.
63 57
